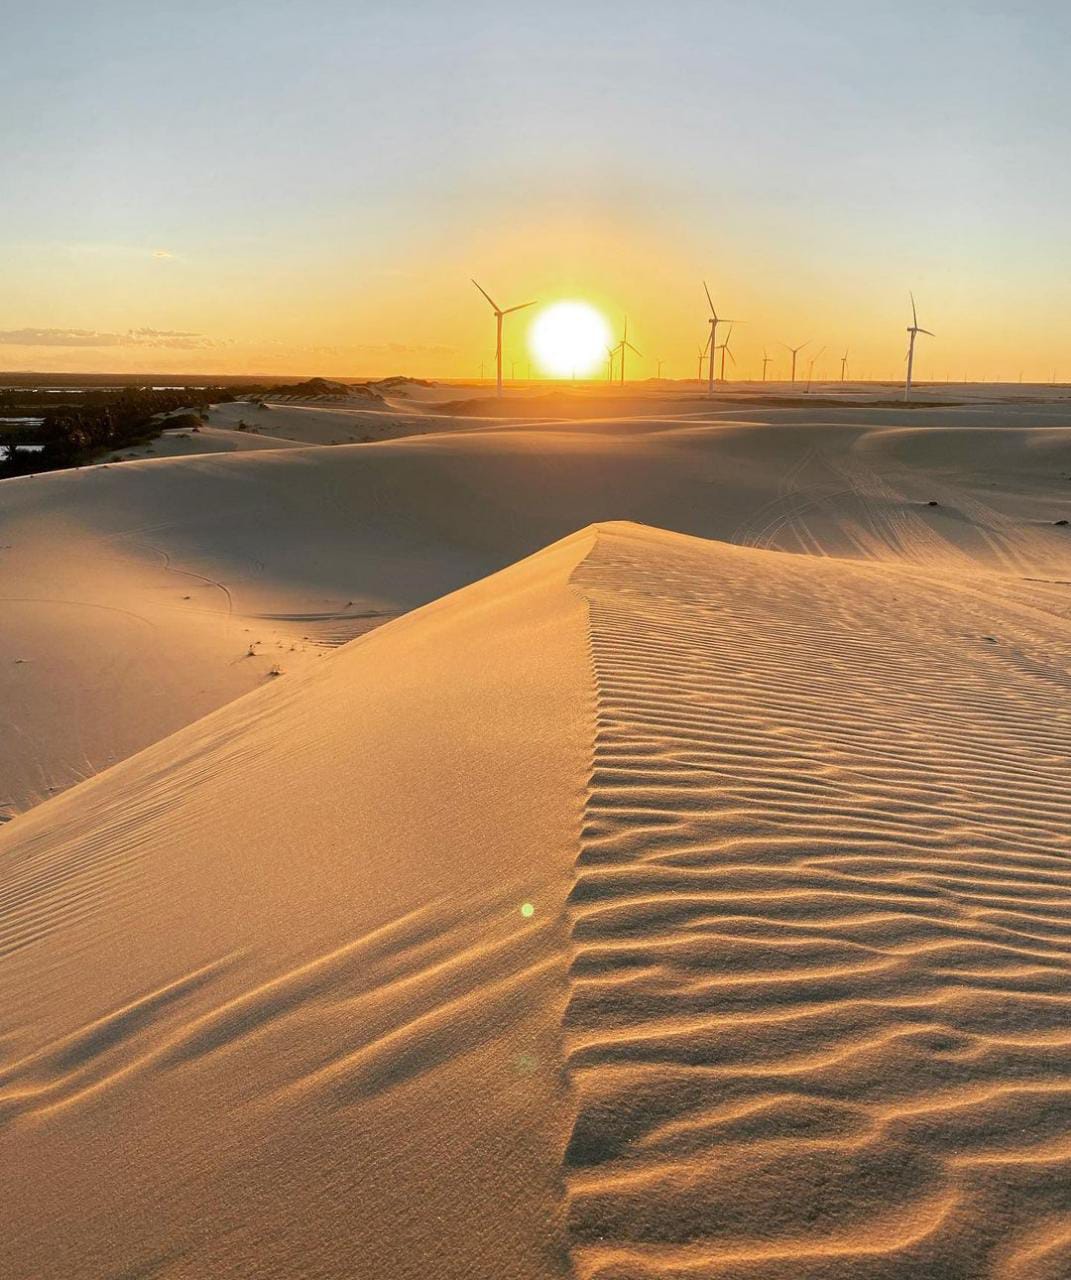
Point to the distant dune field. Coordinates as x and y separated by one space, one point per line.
630 847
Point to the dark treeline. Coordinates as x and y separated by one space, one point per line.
99 421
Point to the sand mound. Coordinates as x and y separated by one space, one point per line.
791 1000
265 1015
818 1022
134 591
325 389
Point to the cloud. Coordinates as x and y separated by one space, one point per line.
174 338
96 249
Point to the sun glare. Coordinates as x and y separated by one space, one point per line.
568 338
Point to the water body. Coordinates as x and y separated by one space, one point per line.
5 450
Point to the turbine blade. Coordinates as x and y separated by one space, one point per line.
633 349
730 355
709 299
927 332
508 310
486 295
914 313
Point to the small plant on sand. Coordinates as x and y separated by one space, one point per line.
276 670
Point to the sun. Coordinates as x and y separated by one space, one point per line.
568 338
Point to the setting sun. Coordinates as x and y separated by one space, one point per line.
568 338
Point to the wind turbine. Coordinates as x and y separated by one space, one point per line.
765 362
795 352
913 332
658 374
621 349
714 321
499 313
609 364
810 367
844 366
702 356
725 351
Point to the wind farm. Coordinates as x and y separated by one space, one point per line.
535 640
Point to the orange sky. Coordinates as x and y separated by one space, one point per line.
313 193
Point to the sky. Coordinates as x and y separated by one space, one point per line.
244 186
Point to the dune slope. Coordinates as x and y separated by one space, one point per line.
283 992
819 1017
790 1001
132 592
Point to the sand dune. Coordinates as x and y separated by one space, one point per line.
206 439
174 567
818 1022
791 1000
300 1021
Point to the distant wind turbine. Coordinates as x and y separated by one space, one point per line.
765 362
621 347
702 356
609 364
844 366
658 373
795 352
713 347
499 313
810 367
725 351
913 331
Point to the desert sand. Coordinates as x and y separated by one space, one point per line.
650 859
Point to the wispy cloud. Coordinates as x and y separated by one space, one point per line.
174 338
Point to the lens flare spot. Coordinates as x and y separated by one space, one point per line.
528 911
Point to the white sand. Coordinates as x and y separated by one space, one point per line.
791 1002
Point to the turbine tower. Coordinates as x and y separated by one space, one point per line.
713 347
609 364
620 348
913 332
499 313
795 352
765 362
844 366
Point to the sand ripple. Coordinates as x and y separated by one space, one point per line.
820 1018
